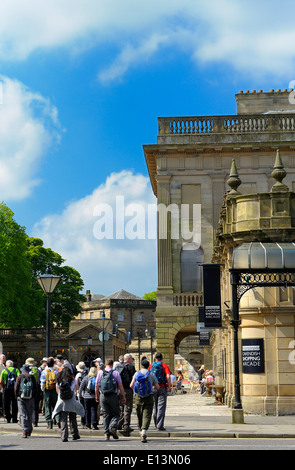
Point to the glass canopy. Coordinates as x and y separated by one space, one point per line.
258 255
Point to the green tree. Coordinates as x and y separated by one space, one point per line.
15 272
66 299
22 259
150 295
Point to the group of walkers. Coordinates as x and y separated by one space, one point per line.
61 391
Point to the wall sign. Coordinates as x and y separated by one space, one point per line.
253 356
205 338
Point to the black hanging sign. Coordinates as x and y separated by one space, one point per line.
204 338
212 295
253 356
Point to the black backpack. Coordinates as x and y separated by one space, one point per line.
65 391
11 378
126 372
107 383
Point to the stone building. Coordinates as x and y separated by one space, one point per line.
189 166
126 313
260 227
128 320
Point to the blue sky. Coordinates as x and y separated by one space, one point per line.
82 85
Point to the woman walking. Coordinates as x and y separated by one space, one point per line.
87 394
67 405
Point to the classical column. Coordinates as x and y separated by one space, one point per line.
164 235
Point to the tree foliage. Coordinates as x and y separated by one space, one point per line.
66 299
150 295
15 271
22 260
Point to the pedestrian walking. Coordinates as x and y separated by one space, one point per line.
67 406
142 384
86 393
126 371
108 383
36 373
2 367
7 381
25 393
163 375
41 368
48 387
82 372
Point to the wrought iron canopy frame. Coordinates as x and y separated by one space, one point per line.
246 279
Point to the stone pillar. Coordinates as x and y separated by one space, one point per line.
164 244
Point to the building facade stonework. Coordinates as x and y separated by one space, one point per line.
190 164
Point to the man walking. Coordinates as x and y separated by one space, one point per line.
48 387
25 392
127 371
108 382
2 367
163 375
7 382
142 383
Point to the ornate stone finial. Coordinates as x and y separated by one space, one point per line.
279 174
234 180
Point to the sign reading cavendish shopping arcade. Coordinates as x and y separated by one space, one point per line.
252 356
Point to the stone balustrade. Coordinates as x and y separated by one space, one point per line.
188 300
229 124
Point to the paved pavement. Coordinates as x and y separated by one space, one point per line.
192 415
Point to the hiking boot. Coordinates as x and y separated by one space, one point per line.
125 432
114 433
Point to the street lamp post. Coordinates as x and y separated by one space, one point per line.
48 283
103 335
151 337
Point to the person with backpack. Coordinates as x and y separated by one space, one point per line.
143 383
7 382
108 383
35 371
67 406
48 387
126 371
163 375
86 393
25 392
2 367
82 372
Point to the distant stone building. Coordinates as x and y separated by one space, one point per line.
127 313
129 321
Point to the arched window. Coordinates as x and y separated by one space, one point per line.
191 272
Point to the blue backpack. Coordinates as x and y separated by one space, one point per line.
142 385
91 384
156 369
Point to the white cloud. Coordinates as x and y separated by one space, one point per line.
253 36
106 265
28 127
